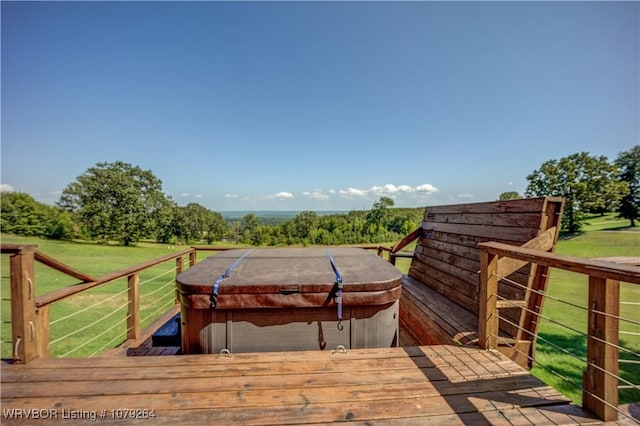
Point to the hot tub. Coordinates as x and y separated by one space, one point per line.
286 299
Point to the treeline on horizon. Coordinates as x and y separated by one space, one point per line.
118 202
194 224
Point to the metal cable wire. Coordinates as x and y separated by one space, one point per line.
157 311
74 313
88 325
618 317
567 380
162 287
174 269
539 292
110 343
539 315
97 336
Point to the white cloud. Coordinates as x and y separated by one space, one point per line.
392 189
352 192
316 195
199 196
5 187
403 194
184 194
426 187
389 189
469 196
279 196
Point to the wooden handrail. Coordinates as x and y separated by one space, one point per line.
414 235
56 264
57 295
30 314
6 248
597 268
600 385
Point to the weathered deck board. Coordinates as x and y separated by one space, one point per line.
413 385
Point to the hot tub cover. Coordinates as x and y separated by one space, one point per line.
290 277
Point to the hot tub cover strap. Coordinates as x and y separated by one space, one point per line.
339 286
216 285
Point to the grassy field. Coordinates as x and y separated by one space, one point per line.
605 236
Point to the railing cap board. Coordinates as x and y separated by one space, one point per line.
594 267
17 248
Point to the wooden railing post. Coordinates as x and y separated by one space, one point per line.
43 331
488 320
179 269
24 320
600 394
133 317
179 265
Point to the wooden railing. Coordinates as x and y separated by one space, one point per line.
30 314
600 381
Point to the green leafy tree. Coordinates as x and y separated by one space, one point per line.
195 223
23 215
249 229
215 228
378 217
166 221
586 182
628 163
115 201
303 225
509 195
191 222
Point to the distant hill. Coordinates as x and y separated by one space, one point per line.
274 214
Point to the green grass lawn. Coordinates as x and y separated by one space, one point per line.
605 236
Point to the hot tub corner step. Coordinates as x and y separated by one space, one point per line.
169 334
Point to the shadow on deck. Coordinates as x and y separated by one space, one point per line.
407 385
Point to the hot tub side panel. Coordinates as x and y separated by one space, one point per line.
291 329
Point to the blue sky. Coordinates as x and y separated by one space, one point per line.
315 106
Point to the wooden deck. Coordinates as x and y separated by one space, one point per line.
427 385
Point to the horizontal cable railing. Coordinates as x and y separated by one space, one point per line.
584 330
89 317
106 318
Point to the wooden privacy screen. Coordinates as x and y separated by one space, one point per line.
439 304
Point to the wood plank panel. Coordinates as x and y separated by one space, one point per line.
525 205
520 220
489 232
419 385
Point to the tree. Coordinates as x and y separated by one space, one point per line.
115 201
194 223
215 228
378 217
304 224
23 215
510 195
587 183
166 222
629 164
249 229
